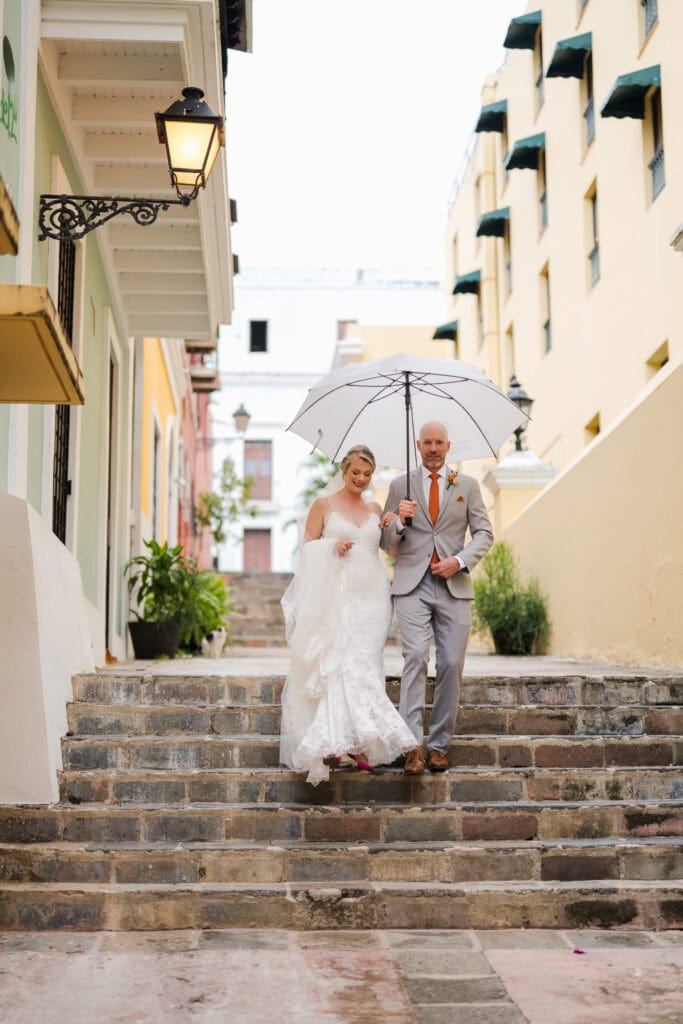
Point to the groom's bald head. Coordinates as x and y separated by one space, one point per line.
433 445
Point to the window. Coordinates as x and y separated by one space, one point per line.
649 14
257 551
509 354
538 67
589 99
507 259
545 309
593 236
542 192
658 359
258 464
653 126
592 428
258 335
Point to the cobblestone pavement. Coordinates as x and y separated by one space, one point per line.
245 976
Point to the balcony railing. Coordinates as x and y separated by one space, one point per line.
594 260
589 114
656 166
548 336
650 14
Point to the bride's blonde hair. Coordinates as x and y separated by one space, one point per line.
359 451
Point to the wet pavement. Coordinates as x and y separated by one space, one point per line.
380 977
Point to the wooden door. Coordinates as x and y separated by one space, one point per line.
257 550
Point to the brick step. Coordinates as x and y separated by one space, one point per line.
153 863
150 688
260 641
171 823
86 718
183 752
118 786
626 904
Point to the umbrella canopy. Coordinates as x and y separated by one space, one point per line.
384 403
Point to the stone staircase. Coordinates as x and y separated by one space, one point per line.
563 809
258 620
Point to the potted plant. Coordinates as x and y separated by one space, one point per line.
515 613
157 584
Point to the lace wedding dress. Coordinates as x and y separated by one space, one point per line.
337 612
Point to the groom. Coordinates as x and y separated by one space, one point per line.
432 588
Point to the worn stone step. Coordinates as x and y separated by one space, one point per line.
350 823
131 786
152 863
86 718
151 688
626 904
184 752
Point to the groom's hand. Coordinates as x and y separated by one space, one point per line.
446 568
406 509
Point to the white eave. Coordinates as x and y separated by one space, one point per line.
109 67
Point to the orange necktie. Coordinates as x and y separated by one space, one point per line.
434 507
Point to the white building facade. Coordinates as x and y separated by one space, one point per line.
286 329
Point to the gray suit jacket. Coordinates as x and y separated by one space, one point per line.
462 507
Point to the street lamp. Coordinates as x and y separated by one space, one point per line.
241 418
518 395
192 134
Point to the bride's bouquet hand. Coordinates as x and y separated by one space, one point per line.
342 547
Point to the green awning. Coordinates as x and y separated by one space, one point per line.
521 34
524 153
492 117
627 98
493 223
446 332
569 58
467 283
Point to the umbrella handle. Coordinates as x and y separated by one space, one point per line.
409 521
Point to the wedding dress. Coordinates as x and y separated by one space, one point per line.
337 612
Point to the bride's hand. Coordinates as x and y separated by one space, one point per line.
387 518
342 547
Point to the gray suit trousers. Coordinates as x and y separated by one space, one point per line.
431 607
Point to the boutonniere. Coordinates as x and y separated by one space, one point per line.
452 478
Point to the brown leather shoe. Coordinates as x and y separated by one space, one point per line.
437 761
415 762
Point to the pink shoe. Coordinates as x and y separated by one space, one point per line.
362 762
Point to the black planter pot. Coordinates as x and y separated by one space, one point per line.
154 639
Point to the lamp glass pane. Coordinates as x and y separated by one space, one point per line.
188 142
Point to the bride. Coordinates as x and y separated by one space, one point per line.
337 612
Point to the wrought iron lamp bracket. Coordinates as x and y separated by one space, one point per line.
72 217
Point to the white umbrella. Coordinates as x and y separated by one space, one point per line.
383 404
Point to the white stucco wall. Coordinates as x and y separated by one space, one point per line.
45 639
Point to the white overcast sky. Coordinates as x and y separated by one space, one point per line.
346 126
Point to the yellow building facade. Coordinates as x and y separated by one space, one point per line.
560 271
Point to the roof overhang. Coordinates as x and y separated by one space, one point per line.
521 33
37 363
109 68
204 379
9 224
627 97
492 117
569 58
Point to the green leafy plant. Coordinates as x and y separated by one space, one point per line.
515 613
206 607
219 510
156 582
